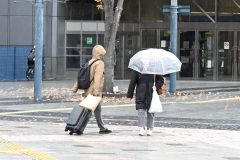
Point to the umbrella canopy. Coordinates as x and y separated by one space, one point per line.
155 61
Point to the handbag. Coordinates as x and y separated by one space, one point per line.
90 102
156 105
163 89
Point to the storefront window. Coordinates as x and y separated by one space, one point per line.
199 11
101 39
126 46
225 55
73 51
205 55
187 56
153 10
165 39
73 40
82 10
79 50
131 11
73 62
86 55
228 11
89 40
73 44
149 38
238 55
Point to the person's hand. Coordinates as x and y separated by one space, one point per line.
129 98
96 94
74 90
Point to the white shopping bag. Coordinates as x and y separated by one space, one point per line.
90 102
156 105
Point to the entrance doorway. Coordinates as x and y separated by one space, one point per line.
225 55
196 55
187 54
205 59
238 55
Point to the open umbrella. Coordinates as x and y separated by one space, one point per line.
155 61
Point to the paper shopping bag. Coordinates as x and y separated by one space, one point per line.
90 102
156 105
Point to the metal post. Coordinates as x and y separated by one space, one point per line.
38 49
173 39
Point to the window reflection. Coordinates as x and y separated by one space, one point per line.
149 38
87 51
73 40
73 62
80 52
73 51
82 10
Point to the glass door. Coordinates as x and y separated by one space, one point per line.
187 54
165 39
238 55
225 55
88 42
149 38
205 55
73 47
79 48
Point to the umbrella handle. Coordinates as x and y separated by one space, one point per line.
154 86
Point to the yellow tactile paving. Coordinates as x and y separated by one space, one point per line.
12 148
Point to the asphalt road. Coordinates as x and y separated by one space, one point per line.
219 112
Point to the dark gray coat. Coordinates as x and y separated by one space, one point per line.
143 84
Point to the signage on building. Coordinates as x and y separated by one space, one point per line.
226 45
163 43
89 40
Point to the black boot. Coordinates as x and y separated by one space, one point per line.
105 131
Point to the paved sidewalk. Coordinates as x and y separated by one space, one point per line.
47 141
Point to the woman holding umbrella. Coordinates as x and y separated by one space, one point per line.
148 66
144 84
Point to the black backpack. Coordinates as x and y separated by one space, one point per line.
31 55
84 76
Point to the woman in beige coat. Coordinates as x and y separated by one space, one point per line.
96 86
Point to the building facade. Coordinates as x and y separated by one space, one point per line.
208 36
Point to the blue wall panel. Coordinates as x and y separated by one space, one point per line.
6 63
13 62
21 54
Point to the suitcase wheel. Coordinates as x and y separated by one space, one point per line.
79 132
66 130
70 133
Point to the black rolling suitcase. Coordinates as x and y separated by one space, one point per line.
77 120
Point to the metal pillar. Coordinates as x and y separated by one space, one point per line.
38 49
173 39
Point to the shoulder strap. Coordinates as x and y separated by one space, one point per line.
94 62
91 65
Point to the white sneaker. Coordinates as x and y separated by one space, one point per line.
149 132
142 132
